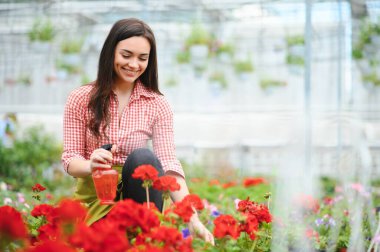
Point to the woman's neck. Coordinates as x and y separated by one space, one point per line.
123 87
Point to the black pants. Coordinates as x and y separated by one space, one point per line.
132 188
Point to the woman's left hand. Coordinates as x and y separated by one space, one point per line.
196 227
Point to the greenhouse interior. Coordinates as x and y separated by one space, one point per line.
275 122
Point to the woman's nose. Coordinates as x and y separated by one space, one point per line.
133 63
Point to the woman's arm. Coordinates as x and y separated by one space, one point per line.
74 138
195 225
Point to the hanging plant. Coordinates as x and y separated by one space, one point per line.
71 46
198 36
266 84
183 57
219 78
369 36
42 30
24 79
295 48
365 52
243 66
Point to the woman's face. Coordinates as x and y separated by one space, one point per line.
131 59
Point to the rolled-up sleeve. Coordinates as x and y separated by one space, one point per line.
74 128
163 139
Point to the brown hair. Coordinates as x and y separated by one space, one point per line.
101 93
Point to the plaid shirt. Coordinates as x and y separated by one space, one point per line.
147 116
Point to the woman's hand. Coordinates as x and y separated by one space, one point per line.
196 227
101 158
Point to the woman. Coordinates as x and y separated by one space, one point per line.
124 107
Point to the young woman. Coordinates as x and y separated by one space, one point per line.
124 107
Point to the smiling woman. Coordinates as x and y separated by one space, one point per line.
123 107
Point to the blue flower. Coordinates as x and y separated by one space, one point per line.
215 213
185 233
318 222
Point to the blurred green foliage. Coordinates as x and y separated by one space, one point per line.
27 161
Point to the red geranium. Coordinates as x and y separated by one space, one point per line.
145 172
185 208
250 226
70 211
226 225
42 210
253 181
104 236
38 188
11 224
260 211
229 184
56 246
131 215
166 183
170 239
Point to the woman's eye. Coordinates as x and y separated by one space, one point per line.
126 56
143 59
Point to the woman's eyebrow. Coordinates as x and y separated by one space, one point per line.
127 51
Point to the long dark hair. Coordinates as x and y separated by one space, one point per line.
101 93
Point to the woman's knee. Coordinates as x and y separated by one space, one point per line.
142 156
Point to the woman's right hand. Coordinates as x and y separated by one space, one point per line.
101 158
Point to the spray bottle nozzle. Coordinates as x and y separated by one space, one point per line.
107 147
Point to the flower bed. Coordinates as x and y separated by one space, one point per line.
239 213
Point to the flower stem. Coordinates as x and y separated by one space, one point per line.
254 245
147 196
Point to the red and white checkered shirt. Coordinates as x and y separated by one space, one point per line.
147 116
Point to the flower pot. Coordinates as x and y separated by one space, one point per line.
297 50
198 53
40 46
71 59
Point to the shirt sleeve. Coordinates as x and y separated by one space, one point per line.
163 139
74 127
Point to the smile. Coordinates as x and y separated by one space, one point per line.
130 71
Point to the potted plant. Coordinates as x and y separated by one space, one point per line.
295 48
225 52
71 49
198 43
243 68
268 85
41 34
24 79
218 79
183 57
365 52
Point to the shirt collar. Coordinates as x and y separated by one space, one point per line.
140 90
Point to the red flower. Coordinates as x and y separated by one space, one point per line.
260 211
226 225
145 172
253 181
56 246
131 215
38 188
214 182
310 233
229 184
11 224
166 183
70 211
194 200
250 226
42 210
102 236
168 238
185 208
